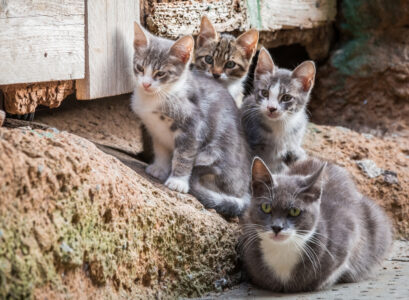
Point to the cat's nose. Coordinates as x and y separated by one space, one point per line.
146 85
216 76
276 229
271 109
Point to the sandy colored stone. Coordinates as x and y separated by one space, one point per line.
75 221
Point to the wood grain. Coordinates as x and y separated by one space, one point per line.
41 40
109 48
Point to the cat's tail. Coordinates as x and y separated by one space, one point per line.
226 205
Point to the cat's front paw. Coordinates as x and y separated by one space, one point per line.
179 184
157 171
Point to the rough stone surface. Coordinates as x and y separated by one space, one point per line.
364 85
2 117
369 168
24 98
77 223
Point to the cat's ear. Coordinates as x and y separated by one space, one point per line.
265 63
183 48
311 186
261 180
140 39
248 41
305 73
207 31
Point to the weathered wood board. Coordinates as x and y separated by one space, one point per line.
41 40
109 48
272 15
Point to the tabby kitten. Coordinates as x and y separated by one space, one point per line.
310 228
274 117
197 143
224 57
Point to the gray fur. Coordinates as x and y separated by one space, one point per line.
275 139
208 149
343 234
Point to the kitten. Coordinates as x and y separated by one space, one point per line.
310 228
197 143
224 57
274 116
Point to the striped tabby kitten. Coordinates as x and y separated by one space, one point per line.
274 117
197 143
224 57
310 228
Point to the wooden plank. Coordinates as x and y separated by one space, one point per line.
273 15
177 18
109 48
41 40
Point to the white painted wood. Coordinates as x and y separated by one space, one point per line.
272 15
41 40
109 48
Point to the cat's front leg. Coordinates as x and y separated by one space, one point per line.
182 162
161 165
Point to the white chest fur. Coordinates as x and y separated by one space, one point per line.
281 258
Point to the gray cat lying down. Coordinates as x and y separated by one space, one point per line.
194 124
309 228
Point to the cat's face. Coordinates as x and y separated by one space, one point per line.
223 56
279 93
159 64
283 208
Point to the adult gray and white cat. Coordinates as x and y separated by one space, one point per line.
274 116
309 228
197 140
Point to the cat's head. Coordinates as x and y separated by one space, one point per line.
223 56
284 207
159 63
279 93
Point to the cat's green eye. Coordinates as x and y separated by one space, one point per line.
139 68
159 74
294 212
286 98
264 93
230 64
266 207
208 59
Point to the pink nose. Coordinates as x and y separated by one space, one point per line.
146 85
271 109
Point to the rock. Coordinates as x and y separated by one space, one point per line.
2 117
364 83
88 226
369 168
390 177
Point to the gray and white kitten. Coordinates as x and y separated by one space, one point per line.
224 57
309 228
197 141
274 116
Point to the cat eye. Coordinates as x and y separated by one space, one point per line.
139 68
230 64
264 93
208 59
266 207
294 212
159 74
286 98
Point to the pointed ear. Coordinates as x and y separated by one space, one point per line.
305 73
261 180
206 32
311 186
265 63
248 41
183 48
140 39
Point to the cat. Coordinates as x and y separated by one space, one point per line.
274 116
197 140
310 228
224 57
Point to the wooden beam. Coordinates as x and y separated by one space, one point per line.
41 40
109 50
